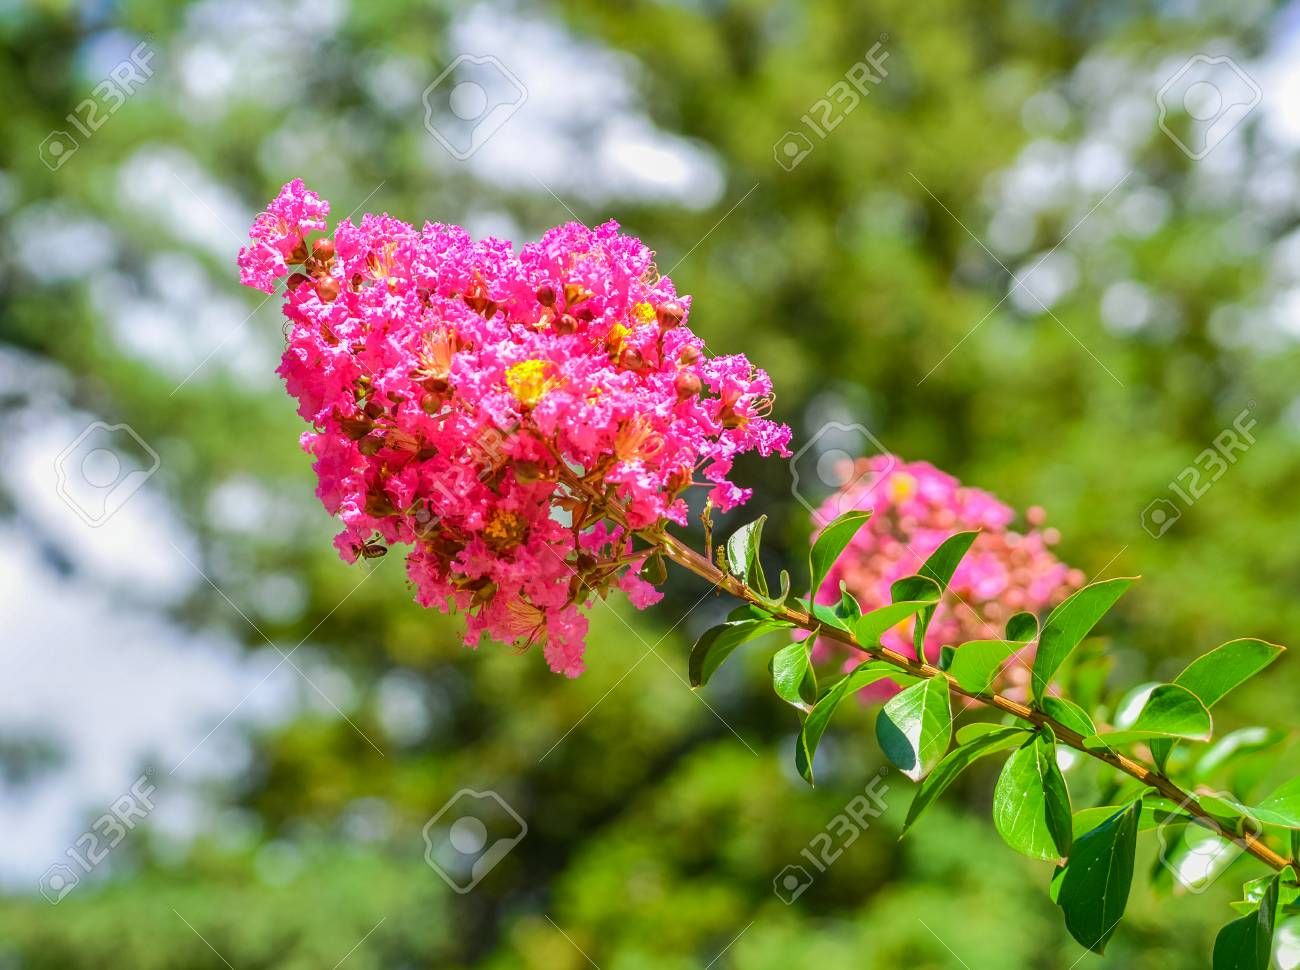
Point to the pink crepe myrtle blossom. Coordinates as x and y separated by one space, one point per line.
487 407
915 507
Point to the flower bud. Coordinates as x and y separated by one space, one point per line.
295 280
546 295
430 403
323 249
631 359
567 324
327 288
670 314
687 385
689 355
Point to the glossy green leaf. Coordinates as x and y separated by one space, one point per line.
830 542
976 663
1213 675
1022 628
969 732
915 726
912 588
957 761
870 627
1170 711
1070 714
1092 888
1031 804
848 609
717 644
1068 624
743 555
792 674
1282 808
1247 942
1156 812
939 568
814 725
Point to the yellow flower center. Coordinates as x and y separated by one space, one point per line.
505 529
643 312
529 382
901 487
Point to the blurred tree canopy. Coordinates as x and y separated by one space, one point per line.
875 282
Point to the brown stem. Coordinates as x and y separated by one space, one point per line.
690 559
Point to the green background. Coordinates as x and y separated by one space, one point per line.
657 818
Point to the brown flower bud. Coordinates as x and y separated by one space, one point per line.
327 288
356 428
689 355
566 324
670 314
323 249
295 280
370 445
631 359
687 384
374 409
430 403
546 295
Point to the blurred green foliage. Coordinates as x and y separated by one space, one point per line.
658 819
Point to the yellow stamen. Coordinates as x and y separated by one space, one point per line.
529 382
643 313
901 487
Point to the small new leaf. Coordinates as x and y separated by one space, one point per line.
830 542
1247 943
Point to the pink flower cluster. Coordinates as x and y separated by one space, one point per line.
915 508
490 408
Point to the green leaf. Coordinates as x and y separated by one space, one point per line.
792 674
977 729
915 588
1022 628
872 626
1092 888
1031 805
915 726
1070 714
1213 675
957 761
1247 943
742 555
974 664
1155 812
830 542
939 568
848 609
717 644
1068 624
1170 711
1282 808
814 725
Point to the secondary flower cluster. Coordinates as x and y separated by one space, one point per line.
915 508
492 408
